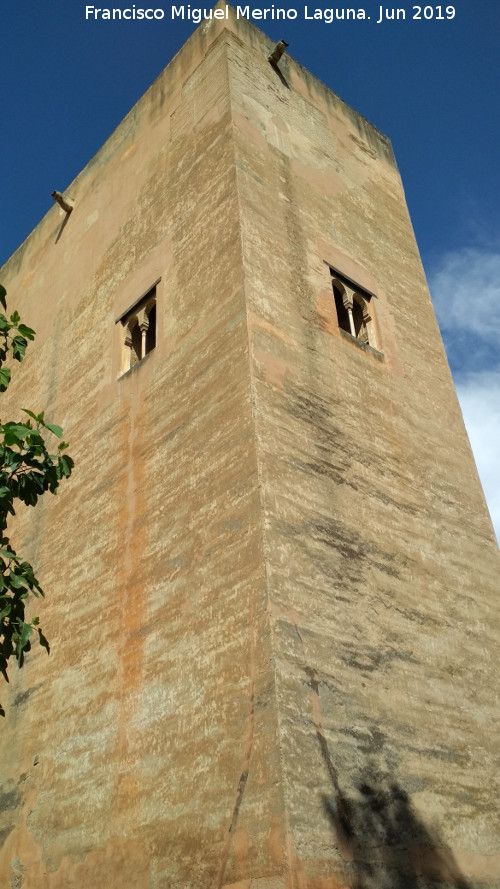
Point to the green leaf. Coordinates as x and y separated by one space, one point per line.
15 433
38 418
23 641
19 347
66 464
57 430
4 378
27 470
28 332
15 582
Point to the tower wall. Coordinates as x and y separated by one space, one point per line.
271 579
125 753
375 524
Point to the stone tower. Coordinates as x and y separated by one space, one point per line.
272 578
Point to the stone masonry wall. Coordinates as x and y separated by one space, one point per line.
382 563
124 754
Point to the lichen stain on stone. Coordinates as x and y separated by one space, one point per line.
9 800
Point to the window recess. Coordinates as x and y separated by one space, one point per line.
138 329
354 307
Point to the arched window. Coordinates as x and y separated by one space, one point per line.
139 329
352 305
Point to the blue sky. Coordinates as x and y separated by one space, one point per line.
430 84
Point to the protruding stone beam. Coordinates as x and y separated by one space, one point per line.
67 204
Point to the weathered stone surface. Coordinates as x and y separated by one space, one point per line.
272 579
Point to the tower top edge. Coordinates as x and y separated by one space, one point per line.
190 55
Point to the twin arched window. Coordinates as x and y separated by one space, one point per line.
139 329
140 333
353 309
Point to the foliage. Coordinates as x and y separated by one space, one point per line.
27 470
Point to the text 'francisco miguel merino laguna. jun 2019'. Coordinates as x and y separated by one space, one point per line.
196 14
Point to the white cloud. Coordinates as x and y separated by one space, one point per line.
465 288
479 396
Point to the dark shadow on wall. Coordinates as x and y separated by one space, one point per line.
62 226
280 75
382 842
